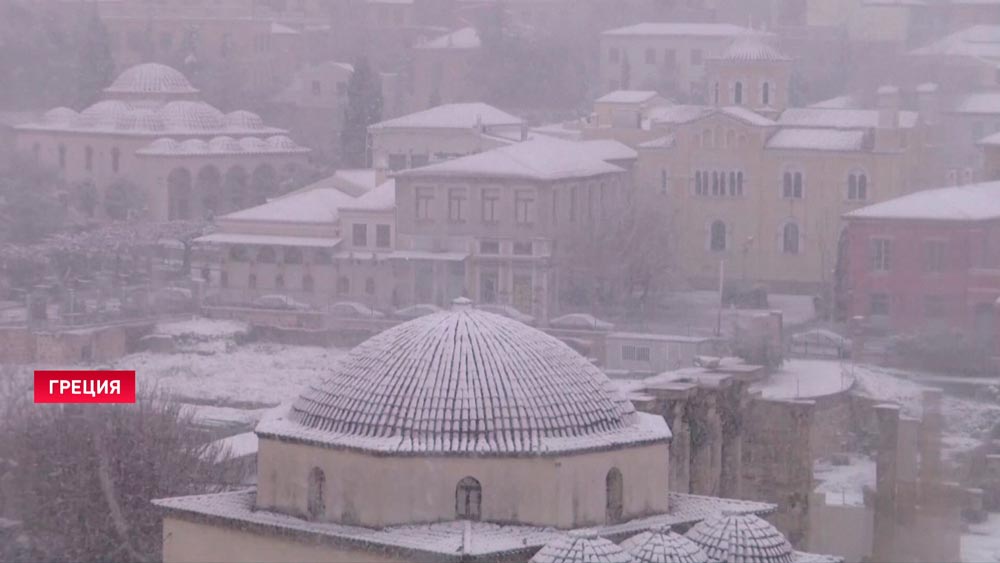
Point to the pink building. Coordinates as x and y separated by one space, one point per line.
924 259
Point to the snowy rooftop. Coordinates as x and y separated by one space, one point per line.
839 118
838 102
445 541
545 158
818 139
979 41
985 103
679 113
683 29
662 545
269 240
452 116
353 181
747 538
581 547
752 48
609 149
972 202
380 198
222 145
465 38
464 381
627 97
319 205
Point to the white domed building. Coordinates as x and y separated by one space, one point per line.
152 131
458 436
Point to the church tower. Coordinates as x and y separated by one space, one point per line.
750 73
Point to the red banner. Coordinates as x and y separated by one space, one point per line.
84 386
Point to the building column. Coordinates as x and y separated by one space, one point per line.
731 478
883 548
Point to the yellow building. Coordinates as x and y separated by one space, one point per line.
462 436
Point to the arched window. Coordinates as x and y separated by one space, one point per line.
663 182
857 186
790 239
715 183
308 285
614 493
699 188
316 502
279 281
116 156
88 158
738 93
722 184
706 139
252 281
716 93
717 239
791 184
739 183
62 157
468 499
765 94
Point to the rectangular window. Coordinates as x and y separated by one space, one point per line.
359 235
696 56
489 247
633 353
522 248
425 198
935 253
879 304
934 306
489 286
491 199
383 236
669 57
880 254
456 205
397 161
524 207
370 286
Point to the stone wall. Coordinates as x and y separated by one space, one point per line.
97 344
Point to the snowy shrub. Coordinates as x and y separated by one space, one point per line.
945 351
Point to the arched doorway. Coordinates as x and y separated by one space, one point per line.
614 493
263 183
179 194
468 499
235 188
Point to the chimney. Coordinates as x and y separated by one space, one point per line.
927 102
524 131
888 107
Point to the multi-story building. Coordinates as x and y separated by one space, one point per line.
666 57
930 258
759 186
152 134
441 69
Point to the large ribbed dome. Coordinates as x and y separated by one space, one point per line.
581 547
747 538
752 48
661 545
465 381
152 79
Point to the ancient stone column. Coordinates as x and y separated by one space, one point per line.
731 412
883 548
930 437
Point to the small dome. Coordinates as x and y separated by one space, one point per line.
661 545
465 381
192 116
59 116
752 48
140 120
102 114
164 145
281 142
243 120
224 145
194 146
254 144
741 537
577 547
151 78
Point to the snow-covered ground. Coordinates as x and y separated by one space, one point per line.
804 379
981 542
844 484
696 312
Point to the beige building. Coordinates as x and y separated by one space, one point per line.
186 158
666 57
441 71
461 436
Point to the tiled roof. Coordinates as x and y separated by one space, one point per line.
464 38
971 202
627 97
661 545
818 139
454 116
464 381
445 541
581 547
683 29
839 118
151 78
751 48
743 538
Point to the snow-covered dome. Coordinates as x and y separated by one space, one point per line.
194 146
102 114
741 537
661 545
151 78
581 547
751 48
163 145
59 116
224 144
281 142
183 115
465 381
140 120
243 120
254 144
